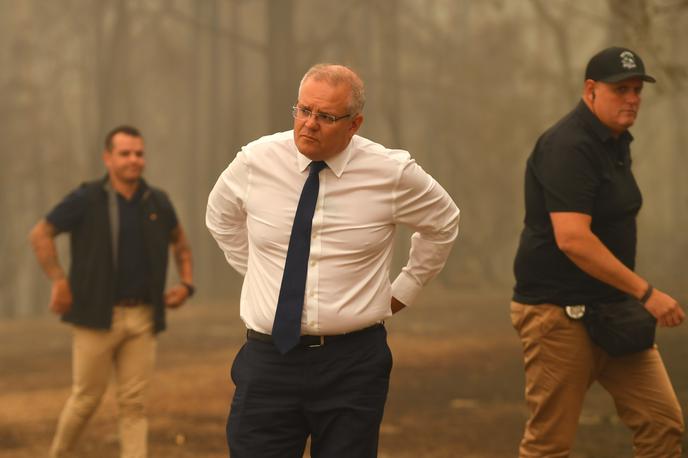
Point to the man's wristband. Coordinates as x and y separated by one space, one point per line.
643 300
190 290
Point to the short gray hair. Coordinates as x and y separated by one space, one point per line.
336 74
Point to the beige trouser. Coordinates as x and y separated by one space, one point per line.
129 346
560 365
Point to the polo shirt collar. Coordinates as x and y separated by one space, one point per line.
603 132
142 189
336 163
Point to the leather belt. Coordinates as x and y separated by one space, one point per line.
130 302
312 341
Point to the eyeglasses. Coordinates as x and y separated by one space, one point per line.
325 118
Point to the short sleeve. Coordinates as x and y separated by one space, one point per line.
169 210
569 176
67 214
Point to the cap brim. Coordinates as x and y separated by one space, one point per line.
628 75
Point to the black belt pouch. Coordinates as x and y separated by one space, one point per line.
620 328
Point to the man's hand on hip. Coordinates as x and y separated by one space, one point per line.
175 296
60 296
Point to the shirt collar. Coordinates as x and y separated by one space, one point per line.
142 189
603 132
336 163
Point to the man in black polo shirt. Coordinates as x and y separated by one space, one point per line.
578 247
120 231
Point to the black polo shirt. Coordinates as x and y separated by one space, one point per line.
576 166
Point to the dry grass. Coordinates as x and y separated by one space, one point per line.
456 386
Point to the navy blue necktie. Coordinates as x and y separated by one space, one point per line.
286 329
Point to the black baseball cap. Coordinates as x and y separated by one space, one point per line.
616 64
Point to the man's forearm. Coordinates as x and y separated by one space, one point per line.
576 240
182 259
595 259
182 256
42 238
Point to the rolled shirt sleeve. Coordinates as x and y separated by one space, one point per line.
226 214
424 206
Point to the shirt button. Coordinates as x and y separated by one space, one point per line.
311 324
313 263
311 293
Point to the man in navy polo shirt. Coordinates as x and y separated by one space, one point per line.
120 231
578 248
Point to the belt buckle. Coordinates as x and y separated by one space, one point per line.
575 312
319 344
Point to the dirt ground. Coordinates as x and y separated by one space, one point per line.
456 387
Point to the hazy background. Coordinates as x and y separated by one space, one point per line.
465 85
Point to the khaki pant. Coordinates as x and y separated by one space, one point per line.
128 347
560 365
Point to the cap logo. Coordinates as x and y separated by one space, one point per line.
627 60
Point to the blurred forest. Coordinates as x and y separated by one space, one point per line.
465 85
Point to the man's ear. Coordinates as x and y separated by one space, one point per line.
356 123
106 157
589 90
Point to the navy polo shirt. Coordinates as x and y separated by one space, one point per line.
576 166
133 270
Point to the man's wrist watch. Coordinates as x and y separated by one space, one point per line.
190 290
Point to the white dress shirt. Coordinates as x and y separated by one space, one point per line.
365 192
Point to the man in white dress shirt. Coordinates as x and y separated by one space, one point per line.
331 382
